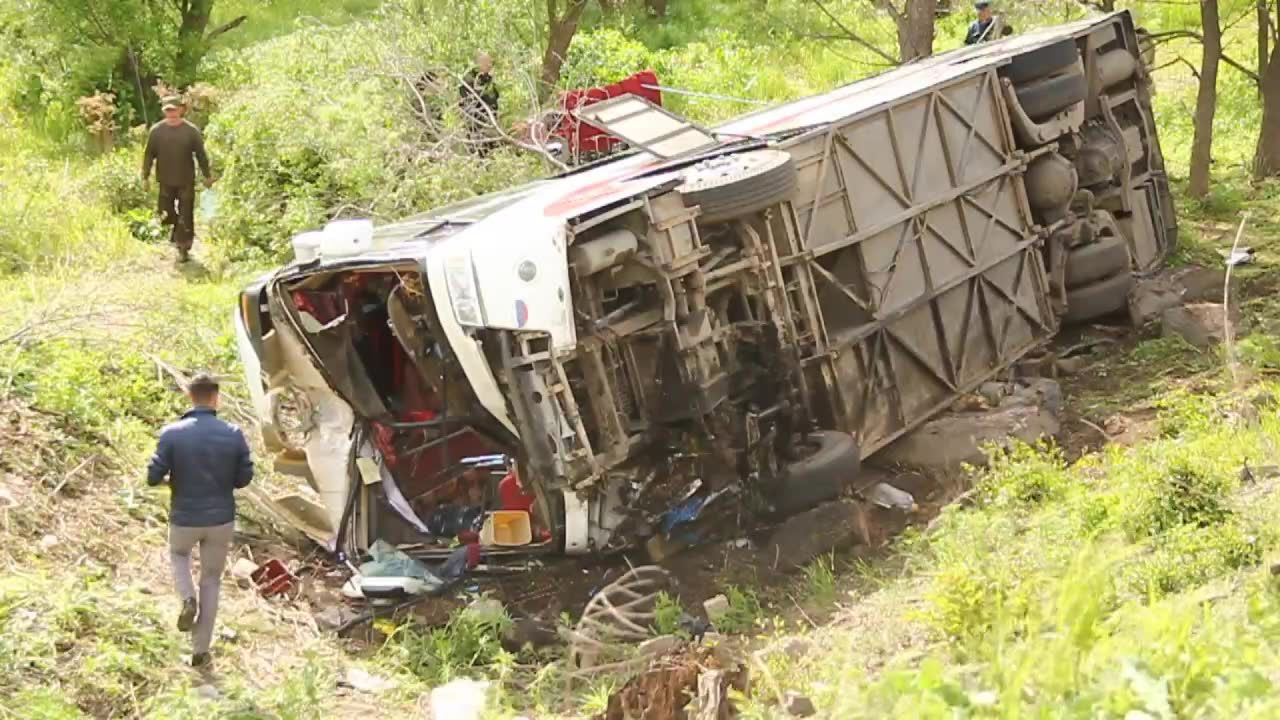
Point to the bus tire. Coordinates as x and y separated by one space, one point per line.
1042 62
1087 263
1099 298
734 186
1050 96
819 476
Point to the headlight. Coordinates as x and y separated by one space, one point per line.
461 282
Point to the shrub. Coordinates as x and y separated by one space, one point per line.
1024 474
436 655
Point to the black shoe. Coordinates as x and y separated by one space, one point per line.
187 618
200 660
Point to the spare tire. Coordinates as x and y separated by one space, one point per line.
1099 298
819 476
734 186
1045 98
1042 62
1108 256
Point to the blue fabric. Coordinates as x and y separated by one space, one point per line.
205 461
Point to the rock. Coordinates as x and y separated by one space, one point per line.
242 571
333 617
1200 324
48 542
993 392
796 648
798 705
1072 365
487 610
661 645
461 699
941 445
803 537
1150 297
358 679
715 607
208 692
531 633
1200 284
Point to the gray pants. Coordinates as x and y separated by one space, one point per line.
214 544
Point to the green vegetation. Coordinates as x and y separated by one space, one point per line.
1130 580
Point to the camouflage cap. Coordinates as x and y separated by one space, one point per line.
172 101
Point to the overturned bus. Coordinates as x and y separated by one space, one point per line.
744 311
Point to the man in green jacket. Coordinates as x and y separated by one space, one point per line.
174 146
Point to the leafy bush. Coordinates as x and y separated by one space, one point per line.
1024 474
437 655
295 158
666 615
1190 555
744 611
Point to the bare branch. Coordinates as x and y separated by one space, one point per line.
854 37
225 27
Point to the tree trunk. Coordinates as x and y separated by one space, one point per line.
1264 36
1206 99
560 32
1267 159
191 40
657 7
915 29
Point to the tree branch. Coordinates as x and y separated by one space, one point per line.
1163 37
224 28
854 37
1251 74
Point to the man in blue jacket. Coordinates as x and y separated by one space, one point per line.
205 460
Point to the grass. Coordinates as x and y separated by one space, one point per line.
1131 580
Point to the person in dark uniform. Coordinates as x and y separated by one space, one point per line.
478 96
174 146
204 460
987 26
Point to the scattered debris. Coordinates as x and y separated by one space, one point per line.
1240 256
943 444
242 571
798 705
891 498
48 542
357 679
708 704
694 686
661 645
273 578
616 618
460 699
1200 324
